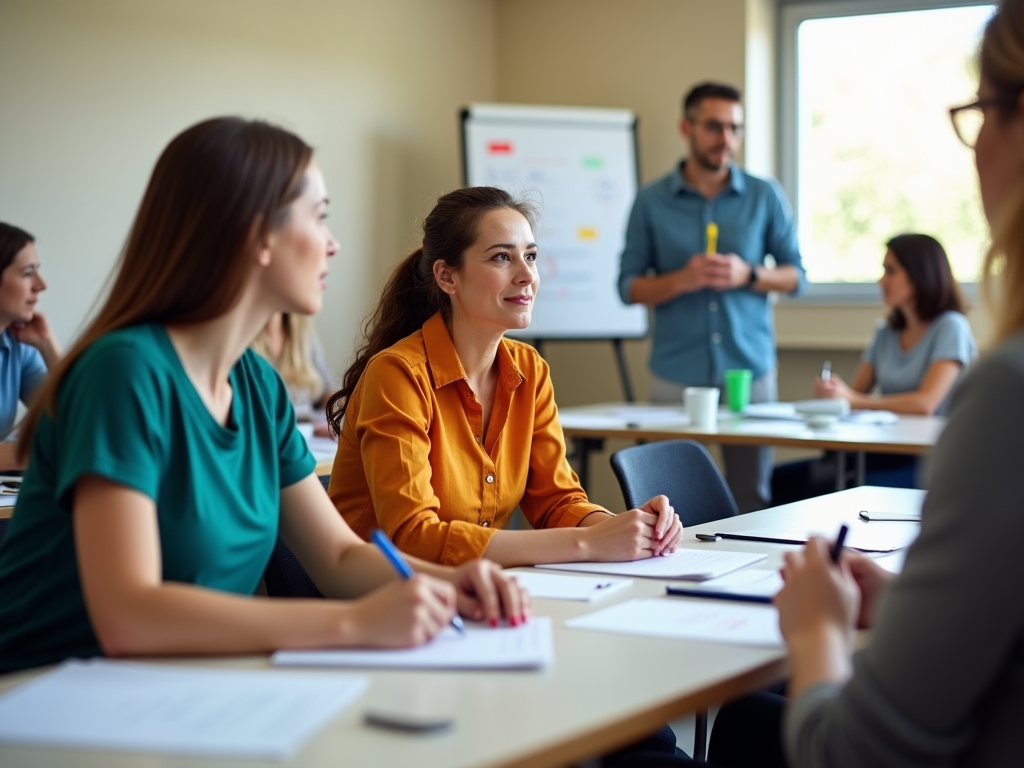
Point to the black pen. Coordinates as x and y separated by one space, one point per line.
837 548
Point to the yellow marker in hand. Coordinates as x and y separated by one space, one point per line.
712 237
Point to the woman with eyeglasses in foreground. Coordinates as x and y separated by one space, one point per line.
941 682
165 456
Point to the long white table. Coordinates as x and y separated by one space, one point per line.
589 425
603 691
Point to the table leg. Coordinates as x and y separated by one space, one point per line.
840 470
862 462
582 446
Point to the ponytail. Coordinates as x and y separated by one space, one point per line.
412 296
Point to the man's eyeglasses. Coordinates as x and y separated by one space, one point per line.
719 129
968 119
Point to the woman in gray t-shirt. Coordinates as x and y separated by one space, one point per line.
916 358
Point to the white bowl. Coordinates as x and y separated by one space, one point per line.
821 421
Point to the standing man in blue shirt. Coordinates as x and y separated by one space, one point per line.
711 310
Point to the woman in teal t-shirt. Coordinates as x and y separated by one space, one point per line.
164 457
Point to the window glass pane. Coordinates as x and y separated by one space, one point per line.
876 154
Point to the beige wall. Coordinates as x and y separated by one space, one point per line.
92 91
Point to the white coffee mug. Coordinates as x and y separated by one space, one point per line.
702 406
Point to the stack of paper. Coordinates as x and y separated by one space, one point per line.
131 706
689 564
527 646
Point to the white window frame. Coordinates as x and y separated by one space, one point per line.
791 13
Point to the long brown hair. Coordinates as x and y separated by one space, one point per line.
411 295
927 266
216 192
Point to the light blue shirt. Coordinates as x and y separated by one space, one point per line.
22 372
697 336
948 338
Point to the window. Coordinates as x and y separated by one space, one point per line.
867 150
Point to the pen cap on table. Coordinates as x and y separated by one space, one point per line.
701 406
737 388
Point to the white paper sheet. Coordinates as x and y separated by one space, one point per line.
865 537
786 411
137 707
749 581
553 586
705 620
525 647
872 417
690 564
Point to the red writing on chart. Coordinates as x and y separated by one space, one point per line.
499 148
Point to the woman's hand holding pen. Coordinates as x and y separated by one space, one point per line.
817 608
871 579
820 598
402 614
487 593
833 388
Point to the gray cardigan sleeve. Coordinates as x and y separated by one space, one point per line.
942 681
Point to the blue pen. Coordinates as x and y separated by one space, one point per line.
395 558
837 548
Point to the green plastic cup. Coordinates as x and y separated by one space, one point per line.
737 388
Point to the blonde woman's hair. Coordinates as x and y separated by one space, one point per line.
295 364
1002 67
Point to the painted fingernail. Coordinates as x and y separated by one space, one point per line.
513 621
522 619
493 622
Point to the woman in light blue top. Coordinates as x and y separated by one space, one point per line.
917 357
27 344
911 366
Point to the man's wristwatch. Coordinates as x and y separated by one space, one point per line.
753 276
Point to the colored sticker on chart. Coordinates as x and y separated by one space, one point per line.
587 233
593 162
499 147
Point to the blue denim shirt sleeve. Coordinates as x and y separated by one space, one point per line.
637 254
781 241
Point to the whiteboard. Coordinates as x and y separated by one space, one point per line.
579 165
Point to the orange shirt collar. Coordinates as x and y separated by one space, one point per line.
445 366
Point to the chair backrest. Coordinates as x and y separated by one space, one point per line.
4 523
683 470
285 576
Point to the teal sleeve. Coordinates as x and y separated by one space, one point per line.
110 421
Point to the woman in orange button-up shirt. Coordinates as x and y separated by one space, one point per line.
446 426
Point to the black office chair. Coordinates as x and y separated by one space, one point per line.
684 471
285 576
4 523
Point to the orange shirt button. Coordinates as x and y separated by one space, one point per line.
489 478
